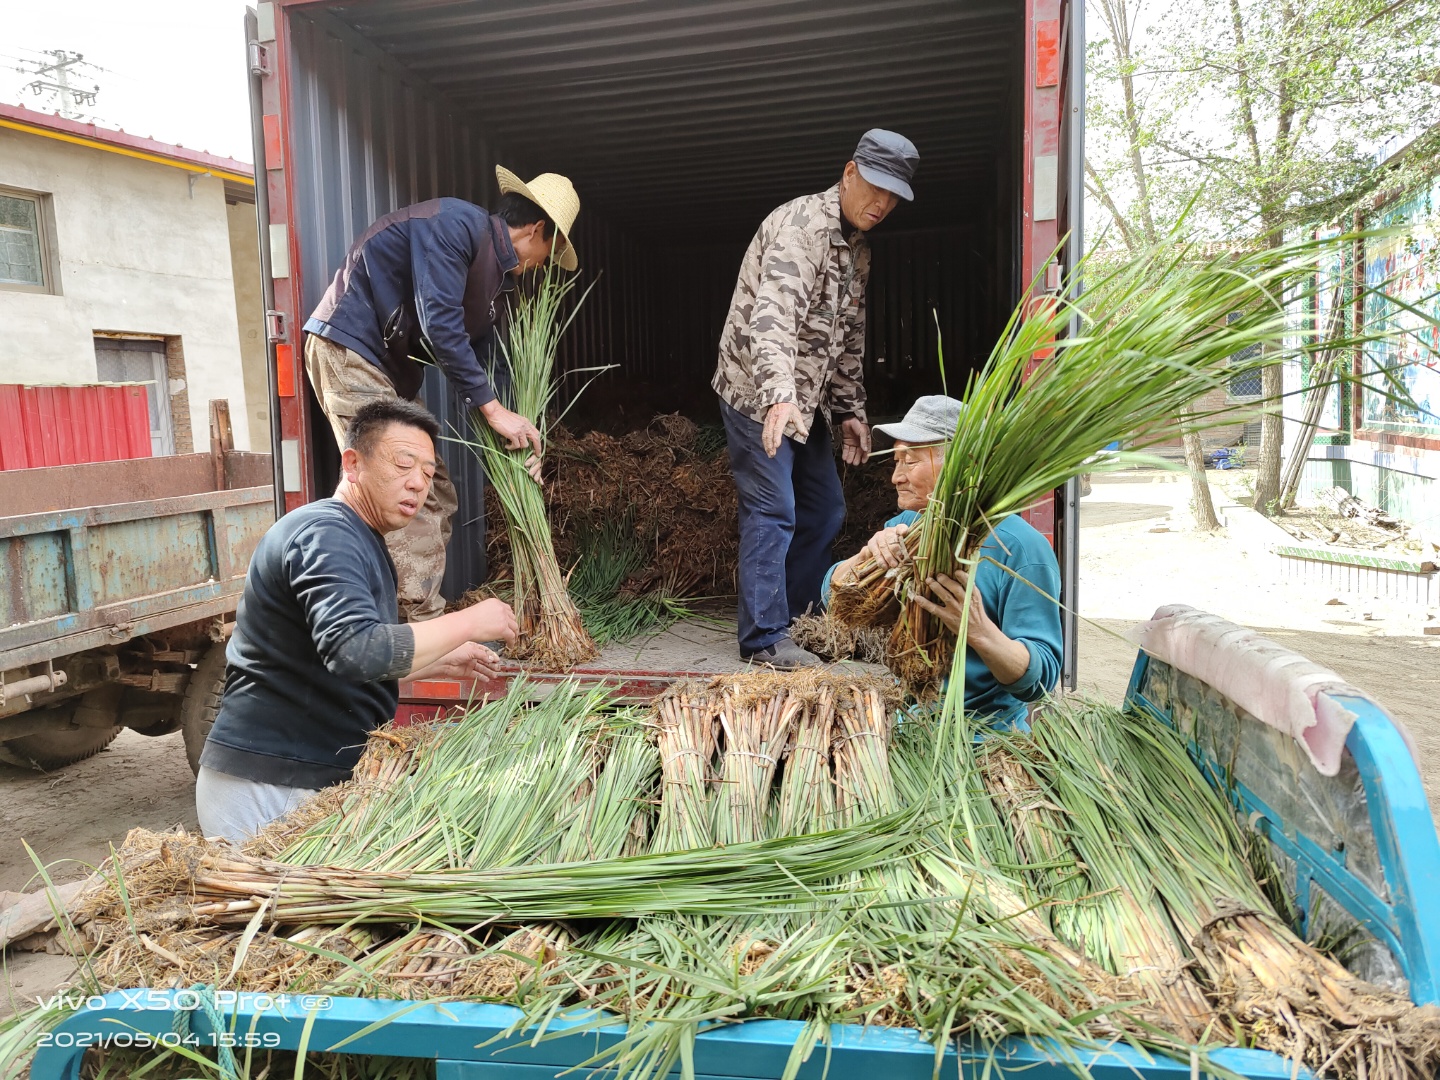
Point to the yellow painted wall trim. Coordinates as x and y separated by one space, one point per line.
95 144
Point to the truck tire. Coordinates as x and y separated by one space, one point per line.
46 750
202 702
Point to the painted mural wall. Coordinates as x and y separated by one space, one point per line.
1407 267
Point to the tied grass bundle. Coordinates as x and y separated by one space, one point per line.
453 807
1143 824
755 734
552 632
806 799
1144 342
685 738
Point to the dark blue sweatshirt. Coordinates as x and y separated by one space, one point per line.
318 648
430 272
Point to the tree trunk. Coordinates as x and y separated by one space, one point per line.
1200 500
1322 376
1267 471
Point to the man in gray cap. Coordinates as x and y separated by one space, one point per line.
794 346
1012 642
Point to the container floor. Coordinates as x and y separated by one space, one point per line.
706 644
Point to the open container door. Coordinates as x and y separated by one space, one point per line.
1070 221
1053 207
258 61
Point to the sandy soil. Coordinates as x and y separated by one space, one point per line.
1128 568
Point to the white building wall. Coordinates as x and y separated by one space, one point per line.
139 253
250 314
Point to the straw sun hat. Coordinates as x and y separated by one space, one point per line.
555 195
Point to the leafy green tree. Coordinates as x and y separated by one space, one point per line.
1262 116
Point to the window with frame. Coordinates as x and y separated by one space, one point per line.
22 241
141 360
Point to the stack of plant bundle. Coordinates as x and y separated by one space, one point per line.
668 487
762 845
1146 340
552 633
669 483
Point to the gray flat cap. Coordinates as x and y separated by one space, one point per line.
931 419
888 161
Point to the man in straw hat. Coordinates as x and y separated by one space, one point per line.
423 282
794 346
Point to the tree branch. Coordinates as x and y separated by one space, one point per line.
1247 109
1097 186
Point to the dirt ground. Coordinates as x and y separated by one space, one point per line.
1138 552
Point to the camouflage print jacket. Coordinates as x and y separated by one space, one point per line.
796 329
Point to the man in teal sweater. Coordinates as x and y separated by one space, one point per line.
1012 653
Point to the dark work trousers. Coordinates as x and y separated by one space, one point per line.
791 510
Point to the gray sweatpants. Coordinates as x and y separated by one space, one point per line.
237 809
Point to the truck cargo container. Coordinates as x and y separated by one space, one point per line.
681 124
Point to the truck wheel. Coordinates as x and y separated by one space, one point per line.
46 750
202 702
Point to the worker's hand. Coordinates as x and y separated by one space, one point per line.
532 466
470 661
512 427
492 620
950 609
887 547
782 419
854 441
1007 658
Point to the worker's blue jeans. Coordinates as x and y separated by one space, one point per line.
791 510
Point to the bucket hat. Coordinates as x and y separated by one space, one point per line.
931 419
554 194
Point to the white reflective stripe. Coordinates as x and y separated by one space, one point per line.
1046 176
290 463
280 248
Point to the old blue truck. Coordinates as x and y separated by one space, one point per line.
120 581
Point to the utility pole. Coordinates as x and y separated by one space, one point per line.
57 80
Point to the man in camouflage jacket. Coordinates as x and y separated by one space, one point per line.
793 347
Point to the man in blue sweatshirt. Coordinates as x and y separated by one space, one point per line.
423 283
1012 652
318 650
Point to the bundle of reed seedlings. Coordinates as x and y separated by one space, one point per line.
552 632
685 738
1145 341
756 731
1171 893
805 800
612 557
454 808
786 873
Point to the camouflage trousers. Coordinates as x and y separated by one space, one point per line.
343 381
